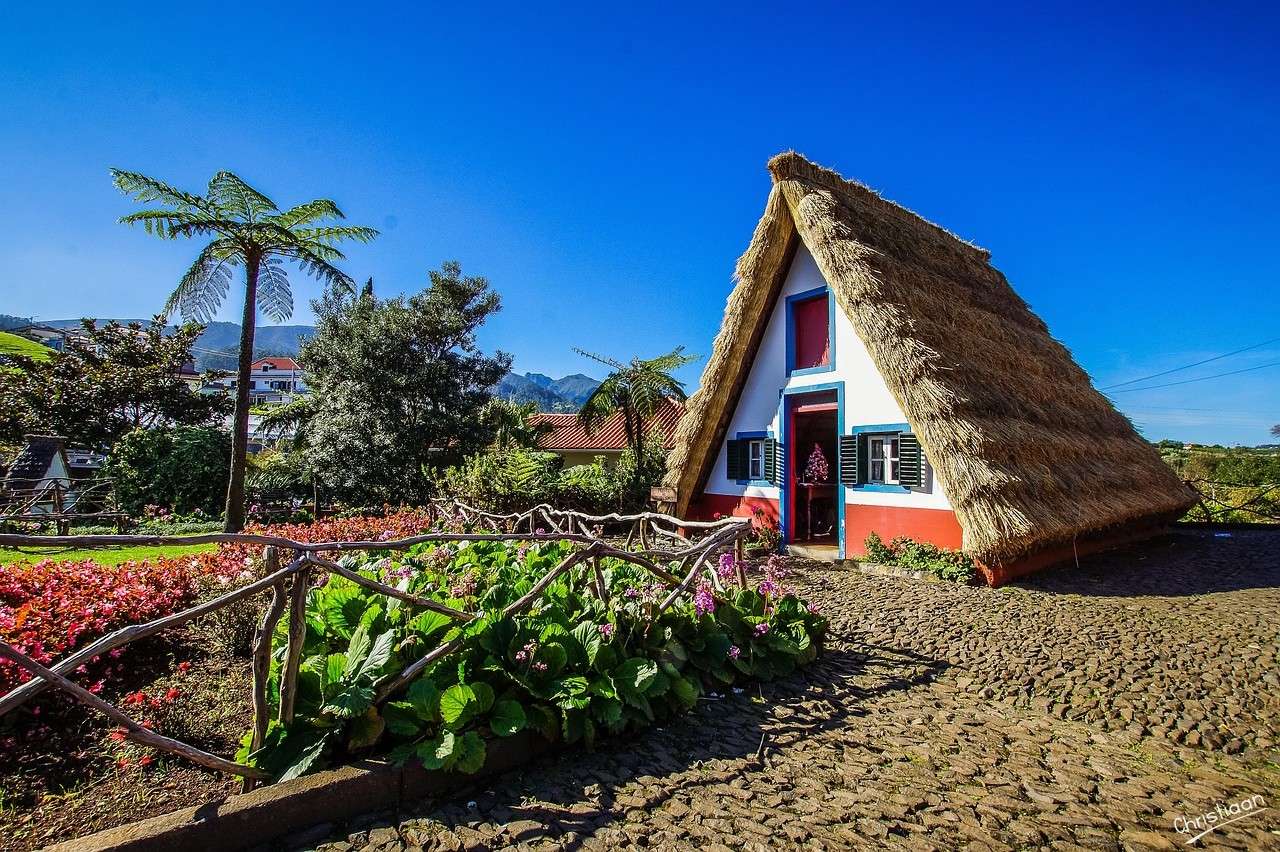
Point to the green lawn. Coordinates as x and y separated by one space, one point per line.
103 556
12 344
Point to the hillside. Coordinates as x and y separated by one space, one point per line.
216 347
12 344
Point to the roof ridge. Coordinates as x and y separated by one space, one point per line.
792 165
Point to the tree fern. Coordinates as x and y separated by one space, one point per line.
250 231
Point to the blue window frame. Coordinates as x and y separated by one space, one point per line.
887 436
792 301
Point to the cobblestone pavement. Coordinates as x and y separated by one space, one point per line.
1086 709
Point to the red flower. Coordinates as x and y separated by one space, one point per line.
172 695
145 760
118 735
184 666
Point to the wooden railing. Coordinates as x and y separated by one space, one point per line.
60 501
691 545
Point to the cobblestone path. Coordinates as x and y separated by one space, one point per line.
1086 709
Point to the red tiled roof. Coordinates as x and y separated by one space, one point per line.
277 363
568 434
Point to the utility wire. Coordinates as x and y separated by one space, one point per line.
1189 366
1201 379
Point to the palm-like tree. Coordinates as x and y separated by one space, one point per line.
513 424
247 230
637 389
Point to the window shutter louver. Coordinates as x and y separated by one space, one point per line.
864 458
910 462
736 460
773 464
848 454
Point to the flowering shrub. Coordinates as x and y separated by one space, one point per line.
48 609
571 667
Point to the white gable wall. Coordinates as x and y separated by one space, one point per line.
867 399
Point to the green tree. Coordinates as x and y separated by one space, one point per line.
248 230
115 379
637 390
182 469
399 386
513 423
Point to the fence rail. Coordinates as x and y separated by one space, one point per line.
59 500
1258 499
288 586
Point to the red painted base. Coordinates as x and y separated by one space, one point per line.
999 574
934 526
708 506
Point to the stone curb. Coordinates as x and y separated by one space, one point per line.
270 813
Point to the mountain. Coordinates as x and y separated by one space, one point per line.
564 395
575 388
218 347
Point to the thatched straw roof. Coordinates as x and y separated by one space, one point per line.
1029 453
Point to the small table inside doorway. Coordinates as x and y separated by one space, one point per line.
809 488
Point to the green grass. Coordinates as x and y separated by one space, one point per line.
103 556
12 344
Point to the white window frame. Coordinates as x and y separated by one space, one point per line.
755 459
890 457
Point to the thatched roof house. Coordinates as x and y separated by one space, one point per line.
1030 459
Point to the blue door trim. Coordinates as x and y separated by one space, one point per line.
784 486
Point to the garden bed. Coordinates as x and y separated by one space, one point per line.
429 656
65 775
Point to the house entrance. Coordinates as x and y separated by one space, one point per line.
812 477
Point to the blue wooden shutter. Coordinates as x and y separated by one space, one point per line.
848 455
910 463
736 460
773 461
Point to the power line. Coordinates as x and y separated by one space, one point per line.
1201 379
1189 366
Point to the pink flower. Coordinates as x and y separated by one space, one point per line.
704 601
761 629
539 667
606 630
734 652
728 566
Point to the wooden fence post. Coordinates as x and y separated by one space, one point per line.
293 651
262 657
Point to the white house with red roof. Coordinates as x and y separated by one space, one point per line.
569 440
276 379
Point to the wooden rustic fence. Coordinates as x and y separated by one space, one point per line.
691 544
59 501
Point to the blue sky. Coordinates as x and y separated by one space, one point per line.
604 167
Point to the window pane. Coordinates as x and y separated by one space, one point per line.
877 448
877 470
755 467
811 331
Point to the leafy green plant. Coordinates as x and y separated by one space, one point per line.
904 552
182 469
571 667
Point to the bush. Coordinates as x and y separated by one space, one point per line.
573 668
180 469
904 552
51 608
514 480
